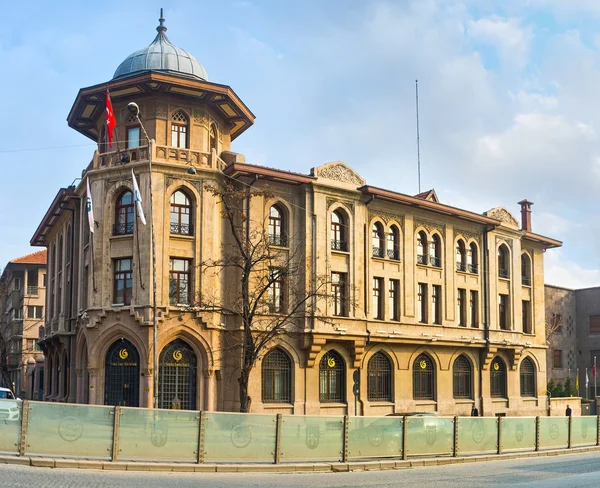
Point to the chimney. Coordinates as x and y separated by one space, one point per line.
526 215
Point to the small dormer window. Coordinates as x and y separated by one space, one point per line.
179 129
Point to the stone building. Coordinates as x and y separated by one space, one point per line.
433 307
23 293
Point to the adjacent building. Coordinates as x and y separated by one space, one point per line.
23 292
431 307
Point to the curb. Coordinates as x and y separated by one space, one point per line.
386 464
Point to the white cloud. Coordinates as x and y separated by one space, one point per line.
561 271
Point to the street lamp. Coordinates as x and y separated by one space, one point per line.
135 111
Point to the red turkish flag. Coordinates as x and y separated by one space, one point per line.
594 368
111 122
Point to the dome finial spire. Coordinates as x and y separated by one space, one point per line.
161 28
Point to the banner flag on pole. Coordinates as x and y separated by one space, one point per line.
111 122
577 381
138 199
594 368
88 204
587 380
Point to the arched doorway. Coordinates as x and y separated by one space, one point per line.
122 375
177 377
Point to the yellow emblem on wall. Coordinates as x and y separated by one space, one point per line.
123 354
331 363
177 355
423 364
496 366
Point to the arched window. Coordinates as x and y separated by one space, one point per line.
177 376
421 248
212 138
423 378
276 377
332 378
124 214
527 374
393 243
525 269
122 375
461 256
379 372
435 251
277 227
498 379
462 376
472 259
181 214
503 262
338 231
179 129
377 240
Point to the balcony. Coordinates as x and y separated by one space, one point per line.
377 252
422 259
461 267
503 273
393 254
435 261
278 240
123 229
182 229
339 245
473 268
33 290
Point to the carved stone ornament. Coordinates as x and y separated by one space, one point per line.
199 117
430 226
504 216
338 171
331 201
161 111
387 217
466 235
508 242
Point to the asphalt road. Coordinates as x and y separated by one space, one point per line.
569 471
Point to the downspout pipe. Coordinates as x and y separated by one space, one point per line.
486 308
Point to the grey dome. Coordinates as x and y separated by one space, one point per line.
161 55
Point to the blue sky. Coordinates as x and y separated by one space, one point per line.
508 99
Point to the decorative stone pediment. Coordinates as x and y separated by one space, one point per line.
338 171
503 215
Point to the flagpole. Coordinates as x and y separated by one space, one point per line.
595 391
577 380
587 384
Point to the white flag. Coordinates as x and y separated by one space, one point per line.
587 380
138 199
88 204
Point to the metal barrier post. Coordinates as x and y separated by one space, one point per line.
404 437
570 419
199 446
455 442
24 424
598 430
115 443
345 447
537 433
202 426
499 427
278 427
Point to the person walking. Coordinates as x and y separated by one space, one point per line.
568 412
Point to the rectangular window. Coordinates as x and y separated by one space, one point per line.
86 288
436 304
275 291
594 327
503 312
338 294
44 280
133 137
17 285
557 362
556 324
34 312
422 303
378 298
178 135
29 344
526 313
473 308
179 281
461 307
394 299
123 281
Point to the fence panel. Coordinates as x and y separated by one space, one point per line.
477 434
148 434
375 437
518 433
554 432
312 438
70 430
239 437
583 430
10 425
429 435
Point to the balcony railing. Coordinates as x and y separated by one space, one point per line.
503 273
123 229
278 240
182 229
393 254
461 267
526 280
421 259
473 268
339 245
435 261
377 252
33 290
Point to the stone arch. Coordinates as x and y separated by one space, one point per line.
463 351
429 352
196 341
371 351
533 359
98 348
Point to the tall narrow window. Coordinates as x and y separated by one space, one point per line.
379 374
423 378
181 214
277 234
461 256
179 129
461 307
435 251
421 247
124 214
526 314
422 303
338 231
503 307
472 259
557 362
332 378
436 304
276 377
133 137
338 294
212 137
275 292
378 298
473 309
462 376
527 376
377 240
503 260
179 281
393 243
123 281
525 270
394 299
498 379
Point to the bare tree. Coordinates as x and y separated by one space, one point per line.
268 286
554 325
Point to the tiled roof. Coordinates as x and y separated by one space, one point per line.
34 258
